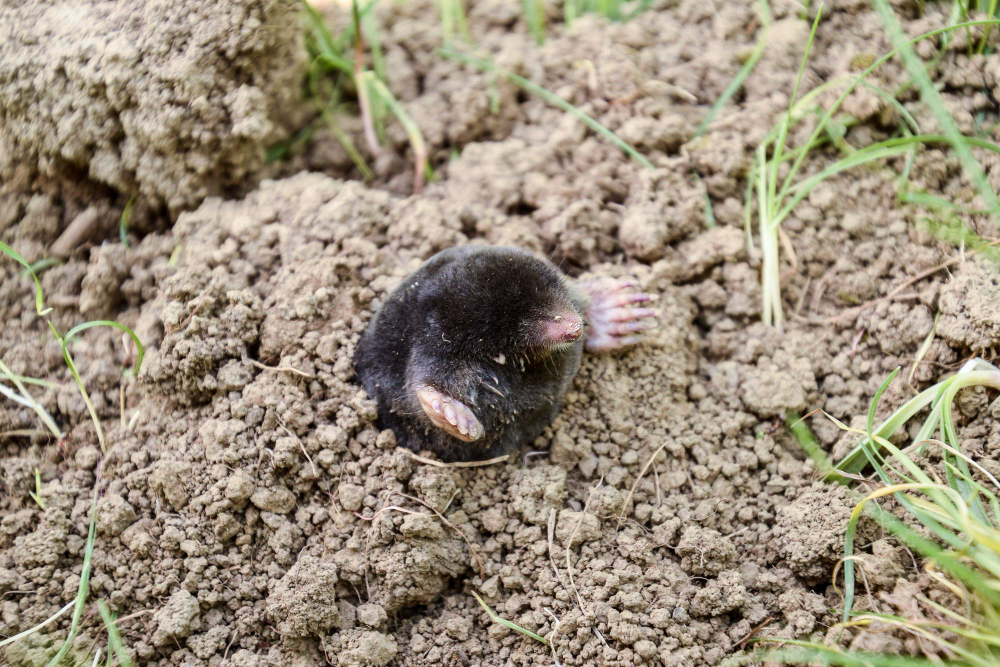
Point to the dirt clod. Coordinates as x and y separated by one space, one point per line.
304 602
177 619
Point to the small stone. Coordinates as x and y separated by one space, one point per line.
191 547
286 453
351 496
645 648
852 222
705 551
137 538
87 457
8 580
385 440
332 437
421 525
170 479
240 487
372 615
226 526
209 643
177 619
277 500
114 515
590 527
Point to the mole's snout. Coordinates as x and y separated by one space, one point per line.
561 329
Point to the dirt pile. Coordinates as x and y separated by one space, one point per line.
168 101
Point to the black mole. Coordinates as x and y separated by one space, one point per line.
471 354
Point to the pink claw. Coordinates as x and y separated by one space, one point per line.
449 414
630 298
625 314
611 318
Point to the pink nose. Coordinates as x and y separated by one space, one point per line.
563 328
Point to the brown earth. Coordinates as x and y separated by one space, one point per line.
250 513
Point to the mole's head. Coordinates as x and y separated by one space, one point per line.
501 303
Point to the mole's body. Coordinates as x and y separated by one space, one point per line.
471 354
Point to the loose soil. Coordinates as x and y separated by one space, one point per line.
251 514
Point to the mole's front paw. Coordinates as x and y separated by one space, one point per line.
450 414
613 322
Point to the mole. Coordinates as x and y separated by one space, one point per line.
470 356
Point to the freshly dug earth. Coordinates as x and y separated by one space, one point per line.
251 514
170 101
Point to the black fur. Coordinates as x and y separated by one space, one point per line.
447 324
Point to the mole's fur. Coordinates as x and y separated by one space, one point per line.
471 324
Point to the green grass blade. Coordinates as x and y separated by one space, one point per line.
79 328
348 145
321 33
804 436
487 66
863 156
779 144
41 266
534 16
856 460
895 104
30 631
68 358
114 637
873 406
820 654
39 295
960 235
509 624
336 63
27 380
84 588
990 11
284 149
124 220
370 31
39 410
951 562
412 131
931 201
742 74
959 143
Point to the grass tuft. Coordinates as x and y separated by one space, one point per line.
609 9
534 16
333 67
959 142
959 536
776 198
64 344
25 398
